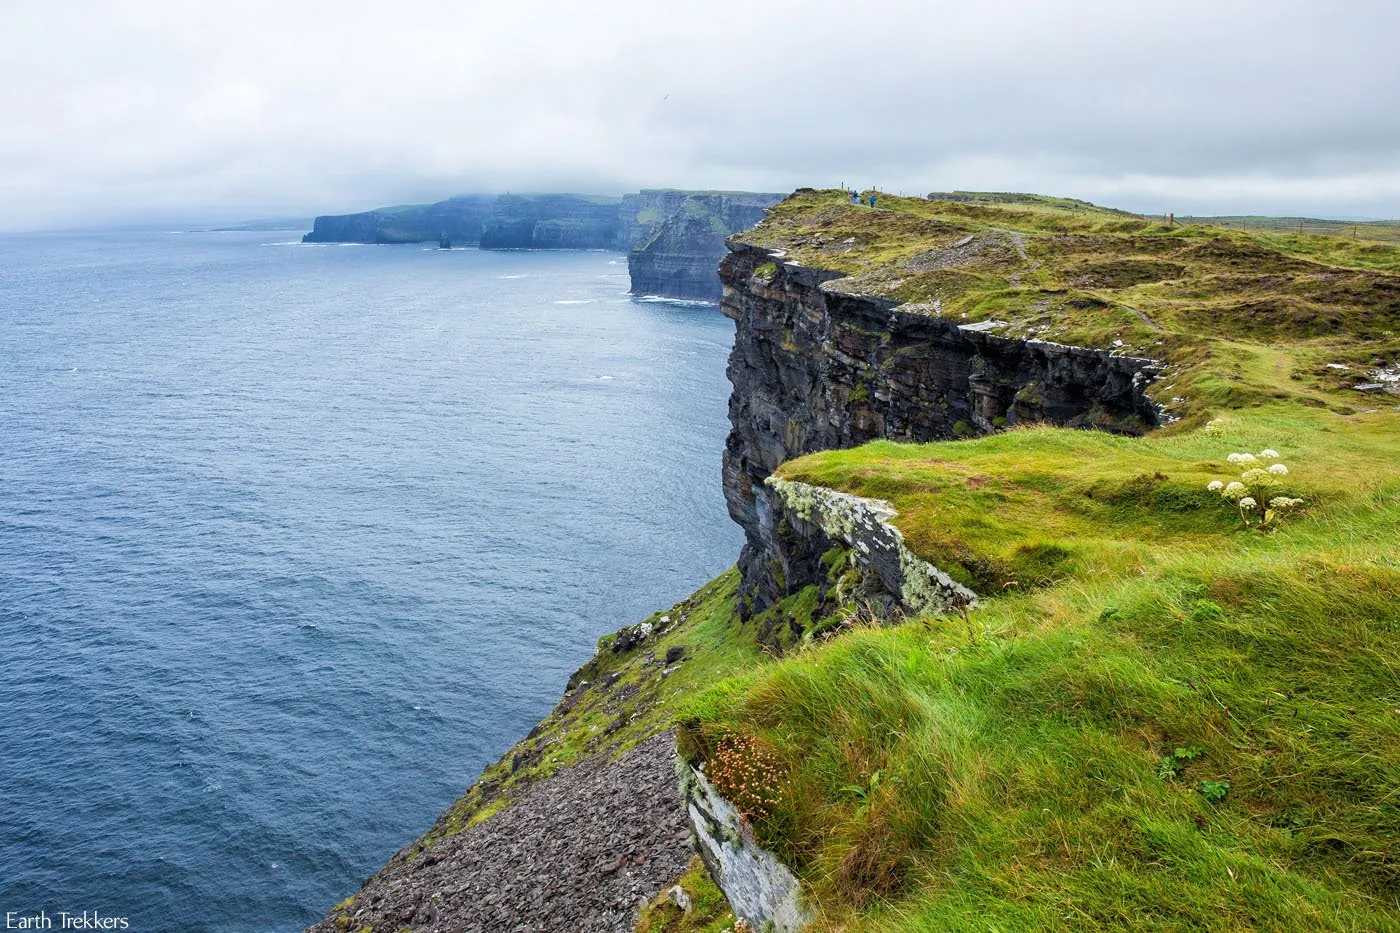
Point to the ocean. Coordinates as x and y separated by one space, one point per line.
295 539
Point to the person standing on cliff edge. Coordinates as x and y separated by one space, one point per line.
872 199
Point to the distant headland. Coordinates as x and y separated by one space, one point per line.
674 238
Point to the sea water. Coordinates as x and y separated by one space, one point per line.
295 539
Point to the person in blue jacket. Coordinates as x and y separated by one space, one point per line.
872 200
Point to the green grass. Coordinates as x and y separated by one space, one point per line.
709 911
1213 302
1154 716
1028 507
1005 771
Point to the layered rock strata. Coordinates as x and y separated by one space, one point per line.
816 368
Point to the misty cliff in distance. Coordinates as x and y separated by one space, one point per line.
678 251
508 221
674 238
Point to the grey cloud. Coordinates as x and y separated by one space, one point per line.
161 109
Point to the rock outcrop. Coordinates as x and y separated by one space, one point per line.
822 518
760 889
679 239
816 368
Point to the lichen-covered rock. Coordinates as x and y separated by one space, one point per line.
759 888
817 368
864 526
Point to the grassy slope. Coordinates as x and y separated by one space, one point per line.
1015 769
629 696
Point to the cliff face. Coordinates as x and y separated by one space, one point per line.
815 368
509 221
551 221
679 239
459 219
674 238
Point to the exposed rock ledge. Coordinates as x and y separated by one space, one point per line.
579 851
816 367
758 887
864 525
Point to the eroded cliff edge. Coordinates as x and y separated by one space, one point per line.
818 367
820 362
813 367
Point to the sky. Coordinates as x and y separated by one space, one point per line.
151 111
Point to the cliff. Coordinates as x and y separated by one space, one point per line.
551 221
678 239
996 651
675 239
508 221
815 367
460 219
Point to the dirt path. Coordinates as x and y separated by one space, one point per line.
1018 240
580 851
1142 317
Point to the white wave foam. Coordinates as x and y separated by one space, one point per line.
662 300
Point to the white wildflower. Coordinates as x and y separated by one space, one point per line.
1215 485
1279 503
1269 454
1278 469
1233 491
1255 476
1240 458
1248 503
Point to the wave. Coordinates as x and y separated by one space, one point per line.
663 300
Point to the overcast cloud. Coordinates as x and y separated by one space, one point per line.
153 110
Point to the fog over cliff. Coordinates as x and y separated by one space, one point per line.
156 110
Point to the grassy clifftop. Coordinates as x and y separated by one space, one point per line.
1154 714
1243 316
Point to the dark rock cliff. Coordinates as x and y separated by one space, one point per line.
508 221
459 219
675 239
679 239
815 368
551 221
